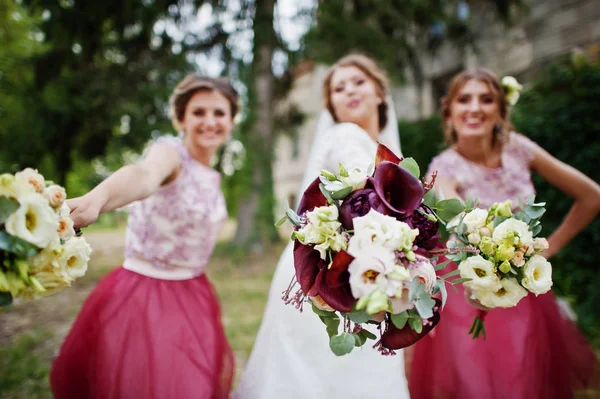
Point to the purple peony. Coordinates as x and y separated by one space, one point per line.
359 203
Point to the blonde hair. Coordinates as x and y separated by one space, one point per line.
194 83
372 70
488 77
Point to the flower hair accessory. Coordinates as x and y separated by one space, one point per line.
512 88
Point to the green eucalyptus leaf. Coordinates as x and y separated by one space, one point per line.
412 166
400 319
441 266
416 324
536 230
460 280
281 221
451 274
500 219
425 307
535 212
326 193
342 344
442 287
429 198
7 207
359 339
359 316
448 209
323 313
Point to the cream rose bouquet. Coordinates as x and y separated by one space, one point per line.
366 250
39 253
506 263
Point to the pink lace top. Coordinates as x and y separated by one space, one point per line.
510 181
178 225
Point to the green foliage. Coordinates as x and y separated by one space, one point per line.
560 113
421 140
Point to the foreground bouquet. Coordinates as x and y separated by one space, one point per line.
365 250
506 263
39 253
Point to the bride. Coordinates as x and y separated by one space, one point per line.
291 356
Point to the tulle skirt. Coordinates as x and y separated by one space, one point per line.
141 337
531 352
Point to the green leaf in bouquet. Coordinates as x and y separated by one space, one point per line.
500 219
368 334
359 340
342 344
341 194
359 316
371 169
412 166
400 319
429 199
448 209
536 230
332 324
441 266
521 216
321 312
7 207
328 175
451 274
343 170
5 299
281 221
293 217
535 212
460 280
416 324
17 246
441 286
424 306
326 193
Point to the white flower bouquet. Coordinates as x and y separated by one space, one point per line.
366 249
504 264
39 253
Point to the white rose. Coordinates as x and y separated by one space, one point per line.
518 228
380 230
537 275
368 270
75 257
519 259
13 188
56 195
401 303
64 210
423 270
475 220
509 294
34 221
481 272
65 228
32 177
356 180
540 244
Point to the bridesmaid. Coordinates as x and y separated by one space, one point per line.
531 351
152 328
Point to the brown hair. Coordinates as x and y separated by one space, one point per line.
484 75
370 68
194 83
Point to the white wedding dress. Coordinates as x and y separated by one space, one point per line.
291 356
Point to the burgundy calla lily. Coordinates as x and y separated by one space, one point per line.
308 264
395 338
312 198
399 190
385 154
333 284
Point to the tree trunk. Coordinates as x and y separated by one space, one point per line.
255 212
